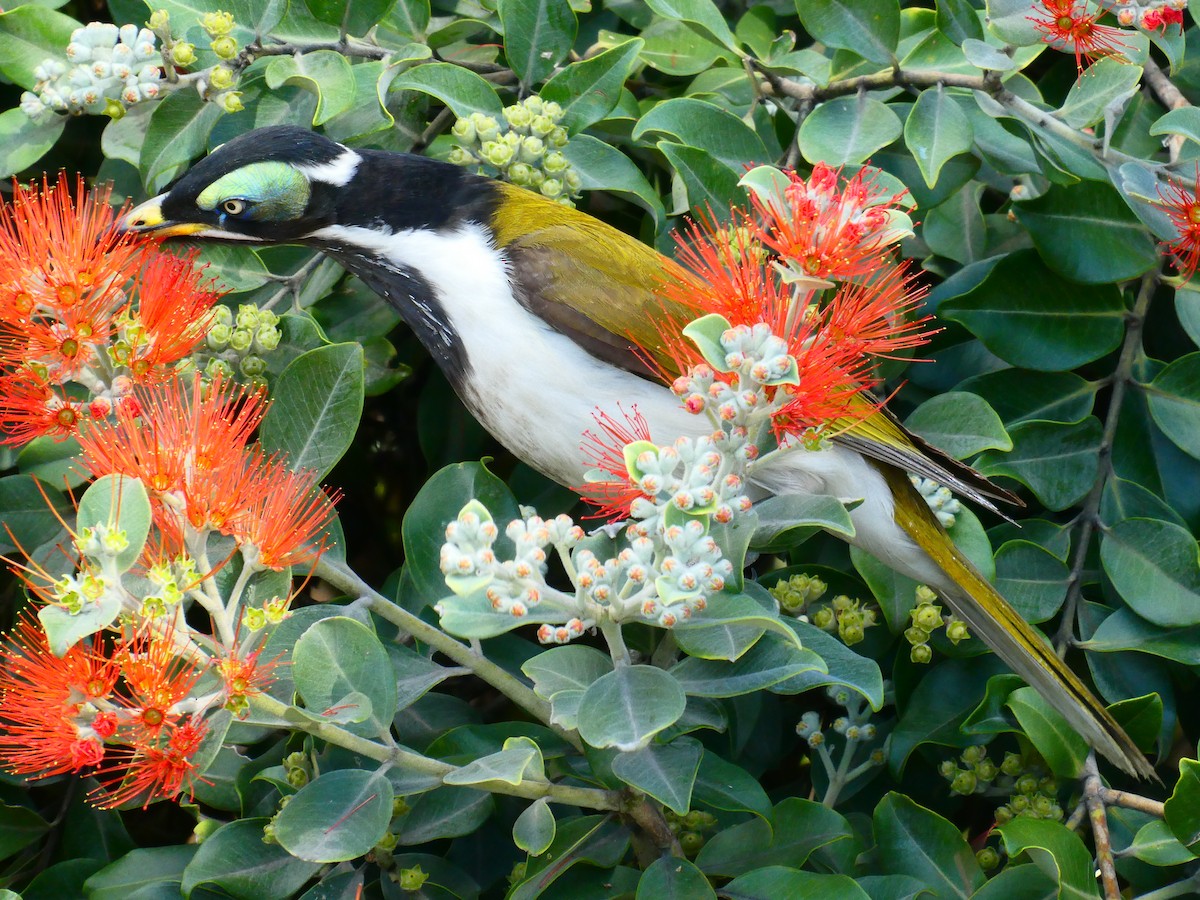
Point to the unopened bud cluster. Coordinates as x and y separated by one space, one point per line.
1149 16
939 498
927 618
690 828
237 342
107 70
96 582
849 617
523 147
797 592
1030 791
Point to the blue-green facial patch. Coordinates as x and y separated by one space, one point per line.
271 192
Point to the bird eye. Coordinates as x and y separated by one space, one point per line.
233 206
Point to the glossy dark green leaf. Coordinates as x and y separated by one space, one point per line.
1154 565
339 816
959 20
870 28
670 878
20 827
935 130
627 707
356 16
918 842
315 407
142 868
588 90
860 674
703 14
1125 630
767 663
798 828
443 813
1182 808
708 183
325 73
667 772
1087 233
1019 394
592 840
704 126
675 48
1056 850
959 423
939 706
1108 84
1059 744
846 131
602 167
178 133
723 785
1032 579
460 89
537 36
771 882
234 859
1156 844
1174 399
1057 462
956 228
31 512
1030 317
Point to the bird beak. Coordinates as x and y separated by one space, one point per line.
147 219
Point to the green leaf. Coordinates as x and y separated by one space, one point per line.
797 829
1030 317
339 816
846 668
1018 394
936 129
1056 850
772 882
701 13
959 21
234 859
1087 233
870 28
1032 579
23 141
472 616
722 785
537 36
32 512
20 827
1182 809
1103 87
983 55
588 90
786 520
436 505
143 868
460 89
939 706
177 134
708 183
731 623
337 657
1156 844
356 16
118 503
627 707
675 48
573 667
1125 630
671 878
1060 745
767 663
666 772
959 423
1174 400
1010 21
602 167
30 35
1056 462
444 813
325 73
594 840
918 842
956 228
315 408
704 126
846 131
513 765
236 269
1185 121
534 829
1154 567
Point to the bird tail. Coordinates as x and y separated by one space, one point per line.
1025 650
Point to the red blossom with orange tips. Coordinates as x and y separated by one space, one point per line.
152 771
1182 206
1068 25
49 724
85 313
605 450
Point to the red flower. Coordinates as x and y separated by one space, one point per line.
174 312
284 515
605 450
153 771
827 231
1182 205
1067 25
156 678
49 724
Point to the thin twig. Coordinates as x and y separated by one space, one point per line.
1171 97
1089 517
1132 801
1098 816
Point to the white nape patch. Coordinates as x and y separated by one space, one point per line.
532 387
336 172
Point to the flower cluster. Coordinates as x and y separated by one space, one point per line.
1182 206
525 149
1031 792
236 343
927 618
107 70
1154 15
1073 26
85 315
939 498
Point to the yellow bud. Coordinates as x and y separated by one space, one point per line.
221 78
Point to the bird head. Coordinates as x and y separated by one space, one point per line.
271 186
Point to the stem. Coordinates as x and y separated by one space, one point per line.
590 798
1132 801
1185 888
1099 819
841 777
1171 97
1089 517
347 580
615 640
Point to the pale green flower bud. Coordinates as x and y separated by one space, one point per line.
253 366
464 130
461 157
518 118
221 78
183 53
241 339
159 19
532 149
541 126
520 174
225 47
497 153
554 163
486 128
231 101
217 23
